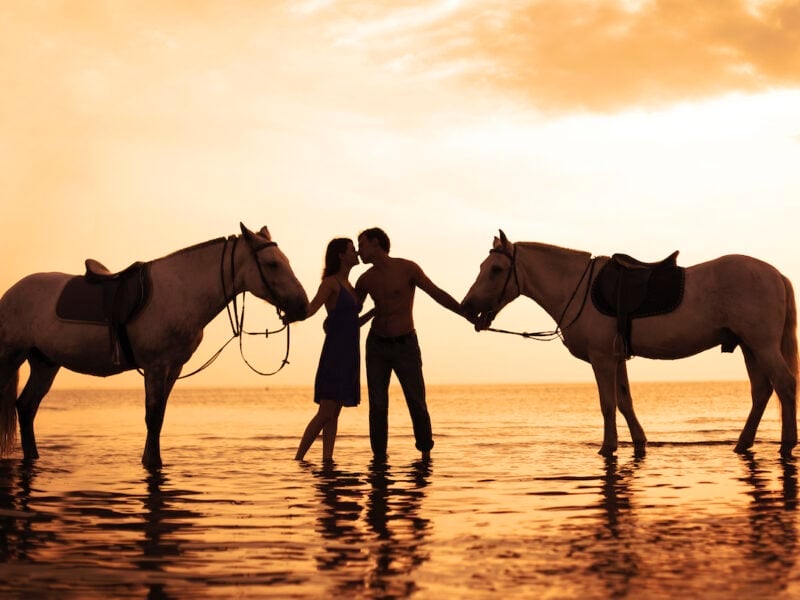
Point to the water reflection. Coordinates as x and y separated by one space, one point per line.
772 515
614 556
342 494
373 530
160 547
394 517
18 537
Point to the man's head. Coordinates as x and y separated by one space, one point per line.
370 241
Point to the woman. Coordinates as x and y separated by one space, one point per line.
338 381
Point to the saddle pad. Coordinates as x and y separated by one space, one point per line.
664 293
85 302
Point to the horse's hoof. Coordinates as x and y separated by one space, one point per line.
639 449
607 452
742 448
786 450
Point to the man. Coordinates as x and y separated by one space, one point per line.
392 343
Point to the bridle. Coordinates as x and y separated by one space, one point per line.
512 270
235 317
236 321
544 336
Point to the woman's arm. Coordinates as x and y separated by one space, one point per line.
326 287
365 317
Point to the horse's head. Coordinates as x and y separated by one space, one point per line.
274 280
495 286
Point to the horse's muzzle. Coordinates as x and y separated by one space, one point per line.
295 310
481 319
484 320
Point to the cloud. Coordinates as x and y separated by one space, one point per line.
597 55
601 56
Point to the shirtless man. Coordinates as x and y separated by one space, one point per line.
392 343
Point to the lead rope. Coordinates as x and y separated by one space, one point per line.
266 333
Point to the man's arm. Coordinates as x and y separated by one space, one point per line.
438 294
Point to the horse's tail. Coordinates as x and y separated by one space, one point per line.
8 414
789 340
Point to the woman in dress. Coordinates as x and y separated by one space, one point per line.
337 382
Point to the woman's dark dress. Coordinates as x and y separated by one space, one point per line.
338 373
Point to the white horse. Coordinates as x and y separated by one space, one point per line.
732 300
189 288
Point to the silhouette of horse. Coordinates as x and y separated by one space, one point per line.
732 300
150 316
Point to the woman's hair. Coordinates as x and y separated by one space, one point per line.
333 259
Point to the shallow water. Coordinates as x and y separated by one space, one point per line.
516 501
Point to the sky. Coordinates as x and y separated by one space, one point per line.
133 129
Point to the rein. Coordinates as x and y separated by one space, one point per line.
236 319
543 336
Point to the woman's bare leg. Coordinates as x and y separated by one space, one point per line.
329 432
328 409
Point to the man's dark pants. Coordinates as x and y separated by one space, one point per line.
402 355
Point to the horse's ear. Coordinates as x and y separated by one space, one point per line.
497 243
246 232
503 238
265 232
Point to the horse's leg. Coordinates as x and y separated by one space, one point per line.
775 373
625 405
158 384
604 370
760 392
784 380
42 374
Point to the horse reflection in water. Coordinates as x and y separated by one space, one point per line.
611 548
162 546
374 526
637 546
18 538
730 301
159 334
772 536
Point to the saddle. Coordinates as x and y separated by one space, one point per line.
104 298
627 288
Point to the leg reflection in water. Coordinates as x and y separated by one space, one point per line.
773 519
342 495
18 535
400 531
161 546
373 534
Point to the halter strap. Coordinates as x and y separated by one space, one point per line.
513 269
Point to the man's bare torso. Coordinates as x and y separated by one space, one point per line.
391 287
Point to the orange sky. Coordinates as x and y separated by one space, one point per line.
131 129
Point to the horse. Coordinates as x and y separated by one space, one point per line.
188 288
729 301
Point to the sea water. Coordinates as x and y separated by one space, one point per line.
515 501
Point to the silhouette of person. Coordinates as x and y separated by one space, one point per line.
392 343
337 382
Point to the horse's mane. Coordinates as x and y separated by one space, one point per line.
543 246
196 247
